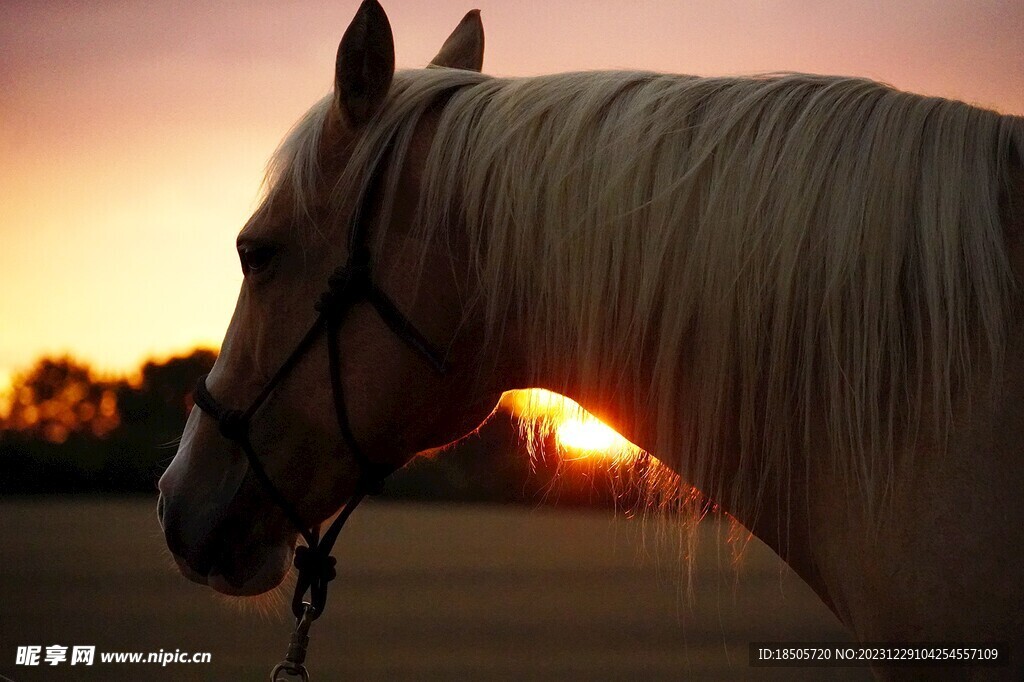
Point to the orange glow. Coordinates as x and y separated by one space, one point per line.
30 415
108 404
134 135
575 430
58 399
590 435
8 397
86 412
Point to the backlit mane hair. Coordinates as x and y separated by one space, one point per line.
803 260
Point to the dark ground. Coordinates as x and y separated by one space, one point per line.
424 592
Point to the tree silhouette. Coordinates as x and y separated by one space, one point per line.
59 398
156 408
68 431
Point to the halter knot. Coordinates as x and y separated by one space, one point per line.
314 565
233 425
345 286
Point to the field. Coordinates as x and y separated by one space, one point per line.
424 592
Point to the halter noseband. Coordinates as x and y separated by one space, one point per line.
347 286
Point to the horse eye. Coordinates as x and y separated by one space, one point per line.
255 258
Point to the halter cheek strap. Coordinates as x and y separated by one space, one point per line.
348 286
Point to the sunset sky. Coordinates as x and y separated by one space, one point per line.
133 135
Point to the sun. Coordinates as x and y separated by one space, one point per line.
589 435
575 430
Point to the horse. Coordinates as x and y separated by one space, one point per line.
800 293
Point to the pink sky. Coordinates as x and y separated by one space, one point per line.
133 135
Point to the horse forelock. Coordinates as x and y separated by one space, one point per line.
319 162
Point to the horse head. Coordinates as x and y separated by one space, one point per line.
219 523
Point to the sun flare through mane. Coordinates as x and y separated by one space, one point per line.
576 432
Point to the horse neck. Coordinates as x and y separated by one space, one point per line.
552 320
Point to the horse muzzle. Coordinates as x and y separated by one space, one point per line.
224 552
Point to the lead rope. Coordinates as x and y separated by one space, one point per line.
316 569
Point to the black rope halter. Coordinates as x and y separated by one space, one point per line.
348 285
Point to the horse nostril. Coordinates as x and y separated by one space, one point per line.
160 509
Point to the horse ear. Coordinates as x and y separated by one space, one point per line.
464 48
365 64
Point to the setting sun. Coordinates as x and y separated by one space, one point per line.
575 430
590 435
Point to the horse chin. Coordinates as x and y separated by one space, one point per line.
254 576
